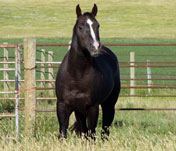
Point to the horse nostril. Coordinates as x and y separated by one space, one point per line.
91 44
99 45
95 44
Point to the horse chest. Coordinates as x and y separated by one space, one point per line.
76 90
88 91
78 99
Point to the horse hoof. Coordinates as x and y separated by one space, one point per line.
62 137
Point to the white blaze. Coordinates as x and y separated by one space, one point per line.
96 44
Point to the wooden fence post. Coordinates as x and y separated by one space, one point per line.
19 64
43 69
149 76
132 73
51 73
6 74
30 84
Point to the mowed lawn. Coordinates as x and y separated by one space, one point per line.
118 18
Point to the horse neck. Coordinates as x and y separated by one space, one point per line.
78 59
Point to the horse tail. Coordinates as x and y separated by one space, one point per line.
77 127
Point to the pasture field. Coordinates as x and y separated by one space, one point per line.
131 130
118 18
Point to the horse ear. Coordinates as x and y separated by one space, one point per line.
94 10
78 11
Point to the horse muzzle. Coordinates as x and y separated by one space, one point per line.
96 49
96 44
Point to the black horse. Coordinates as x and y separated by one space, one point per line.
88 77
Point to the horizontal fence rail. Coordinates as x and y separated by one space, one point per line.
53 98
158 66
122 79
127 87
9 69
7 115
106 44
126 109
148 79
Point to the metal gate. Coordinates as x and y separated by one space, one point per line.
16 80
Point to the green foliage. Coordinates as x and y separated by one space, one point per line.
6 106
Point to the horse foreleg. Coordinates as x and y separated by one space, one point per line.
63 114
92 118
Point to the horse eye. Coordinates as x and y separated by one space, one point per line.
80 27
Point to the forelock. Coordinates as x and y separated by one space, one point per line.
88 14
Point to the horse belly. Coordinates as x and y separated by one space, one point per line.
102 88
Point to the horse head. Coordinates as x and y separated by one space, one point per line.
86 31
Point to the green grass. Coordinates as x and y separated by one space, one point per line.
131 130
55 18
